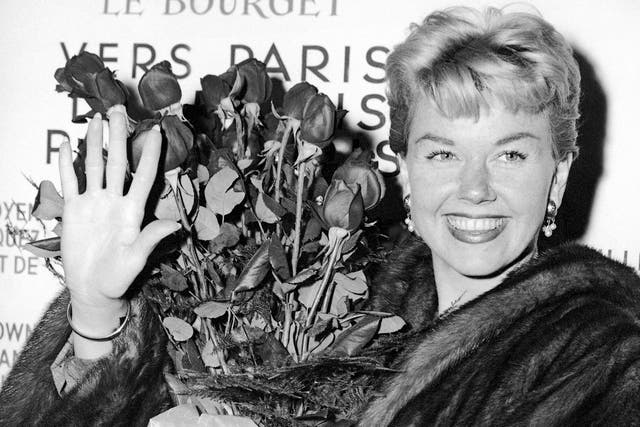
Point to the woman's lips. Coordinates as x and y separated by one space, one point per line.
475 230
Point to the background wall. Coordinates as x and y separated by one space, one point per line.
337 45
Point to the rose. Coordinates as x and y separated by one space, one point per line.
358 169
85 76
318 120
214 90
177 141
296 99
254 85
343 206
159 87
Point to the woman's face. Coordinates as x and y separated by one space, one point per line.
479 189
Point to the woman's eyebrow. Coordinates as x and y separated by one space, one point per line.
515 137
505 140
435 138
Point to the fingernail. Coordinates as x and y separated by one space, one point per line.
97 116
156 128
116 108
65 146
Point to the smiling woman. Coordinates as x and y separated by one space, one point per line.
484 107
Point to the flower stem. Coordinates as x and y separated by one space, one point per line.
184 220
283 146
288 318
295 253
213 334
240 134
337 237
340 235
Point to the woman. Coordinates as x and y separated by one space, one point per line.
484 108
483 115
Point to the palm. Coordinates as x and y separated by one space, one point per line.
103 248
99 231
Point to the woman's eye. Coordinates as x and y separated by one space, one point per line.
512 156
441 155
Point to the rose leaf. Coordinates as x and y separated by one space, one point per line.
351 341
206 224
354 283
228 237
391 324
212 309
255 270
173 279
263 213
209 357
48 203
278 259
45 248
178 328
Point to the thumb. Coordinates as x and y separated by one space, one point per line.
152 234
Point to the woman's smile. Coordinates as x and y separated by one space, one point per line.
475 229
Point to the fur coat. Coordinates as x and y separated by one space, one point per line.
125 389
558 342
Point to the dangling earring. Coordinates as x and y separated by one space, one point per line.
407 207
550 219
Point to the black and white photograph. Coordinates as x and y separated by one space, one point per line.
251 213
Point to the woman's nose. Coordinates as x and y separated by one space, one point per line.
475 183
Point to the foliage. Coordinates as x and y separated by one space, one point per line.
267 277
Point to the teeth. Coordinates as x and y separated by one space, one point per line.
474 224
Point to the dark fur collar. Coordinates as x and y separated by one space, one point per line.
562 272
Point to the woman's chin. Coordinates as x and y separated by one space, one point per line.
487 263
481 269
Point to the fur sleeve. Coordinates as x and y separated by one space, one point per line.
125 388
405 285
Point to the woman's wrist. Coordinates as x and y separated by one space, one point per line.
97 317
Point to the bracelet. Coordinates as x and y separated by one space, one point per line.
109 337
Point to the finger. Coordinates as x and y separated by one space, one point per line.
152 234
67 174
117 159
148 166
94 164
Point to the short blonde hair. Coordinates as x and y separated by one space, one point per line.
462 58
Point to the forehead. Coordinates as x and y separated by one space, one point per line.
494 122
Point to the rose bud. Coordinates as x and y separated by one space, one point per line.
77 74
214 90
177 141
255 82
359 170
318 121
159 87
273 128
85 76
343 206
296 98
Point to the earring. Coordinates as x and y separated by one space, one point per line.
550 219
407 207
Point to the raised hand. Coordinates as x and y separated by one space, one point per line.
103 248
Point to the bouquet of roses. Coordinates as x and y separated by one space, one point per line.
261 292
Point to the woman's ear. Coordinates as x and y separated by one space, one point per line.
559 183
403 176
